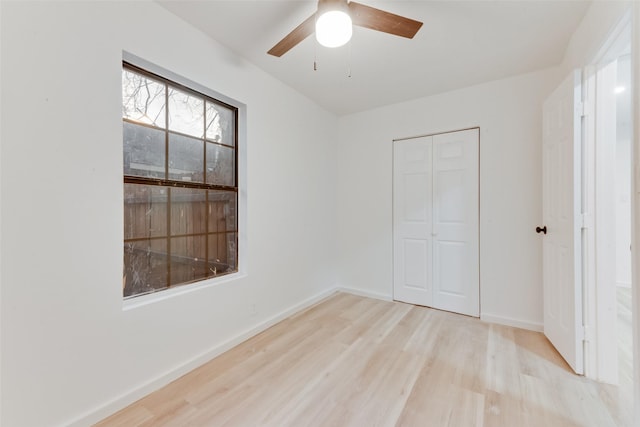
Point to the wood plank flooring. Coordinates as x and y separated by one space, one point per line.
355 361
625 348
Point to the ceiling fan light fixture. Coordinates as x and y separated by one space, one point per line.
334 28
333 25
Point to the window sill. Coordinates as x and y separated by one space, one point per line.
144 300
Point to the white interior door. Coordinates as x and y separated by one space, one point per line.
562 248
435 221
456 272
412 221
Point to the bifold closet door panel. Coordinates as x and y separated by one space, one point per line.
456 222
412 220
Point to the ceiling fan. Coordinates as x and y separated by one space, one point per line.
333 22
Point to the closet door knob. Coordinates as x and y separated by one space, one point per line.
541 230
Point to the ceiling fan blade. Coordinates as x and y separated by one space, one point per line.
379 20
300 33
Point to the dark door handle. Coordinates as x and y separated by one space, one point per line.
541 230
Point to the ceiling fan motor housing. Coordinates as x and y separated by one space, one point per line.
328 5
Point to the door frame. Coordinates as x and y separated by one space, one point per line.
635 206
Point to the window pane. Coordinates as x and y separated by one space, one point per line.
145 266
186 113
186 162
188 211
188 259
221 165
221 124
223 252
145 211
143 151
222 211
142 99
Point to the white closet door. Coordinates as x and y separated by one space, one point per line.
455 222
435 221
412 221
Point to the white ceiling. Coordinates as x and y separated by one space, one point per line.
460 44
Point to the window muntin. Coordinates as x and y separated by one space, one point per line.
180 184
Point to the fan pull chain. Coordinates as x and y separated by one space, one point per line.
315 57
350 58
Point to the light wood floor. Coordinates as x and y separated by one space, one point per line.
625 346
354 361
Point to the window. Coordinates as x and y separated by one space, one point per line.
180 184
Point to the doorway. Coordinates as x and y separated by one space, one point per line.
609 350
623 177
436 221
587 163
587 203
613 164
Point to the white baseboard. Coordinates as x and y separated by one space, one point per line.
365 293
102 411
490 318
508 321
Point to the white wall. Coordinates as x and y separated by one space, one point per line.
68 348
509 115
594 29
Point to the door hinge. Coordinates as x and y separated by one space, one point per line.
582 109
586 221
587 333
